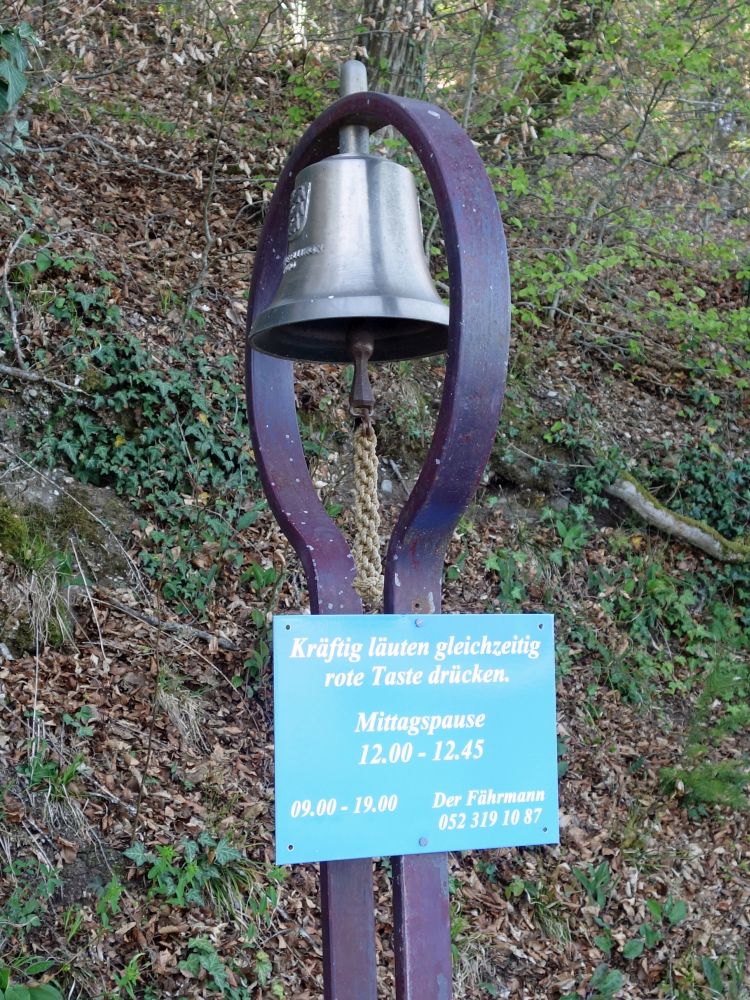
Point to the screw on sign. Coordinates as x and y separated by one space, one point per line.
322 293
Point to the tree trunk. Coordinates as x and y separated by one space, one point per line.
396 42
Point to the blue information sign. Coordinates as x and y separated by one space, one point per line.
398 734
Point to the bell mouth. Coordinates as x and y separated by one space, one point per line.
325 338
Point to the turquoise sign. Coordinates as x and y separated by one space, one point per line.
399 734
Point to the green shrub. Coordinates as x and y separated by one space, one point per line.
169 434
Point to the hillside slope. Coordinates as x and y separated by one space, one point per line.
141 565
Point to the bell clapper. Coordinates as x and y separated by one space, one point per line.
361 400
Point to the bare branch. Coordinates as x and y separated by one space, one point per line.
96 141
26 376
11 301
687 529
177 628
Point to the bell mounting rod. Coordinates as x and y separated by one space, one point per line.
354 140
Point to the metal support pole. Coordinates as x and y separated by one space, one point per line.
347 905
465 429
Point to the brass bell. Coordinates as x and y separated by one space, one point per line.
355 264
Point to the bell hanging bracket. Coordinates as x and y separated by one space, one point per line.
476 363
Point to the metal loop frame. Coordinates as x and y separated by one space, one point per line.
474 385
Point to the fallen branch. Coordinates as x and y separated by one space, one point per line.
12 303
176 628
532 471
104 793
25 375
94 140
687 529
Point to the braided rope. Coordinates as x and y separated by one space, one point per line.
366 548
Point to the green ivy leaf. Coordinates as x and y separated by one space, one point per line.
263 968
248 518
43 261
676 912
190 850
25 31
215 968
225 852
604 943
633 948
137 853
11 42
606 980
15 84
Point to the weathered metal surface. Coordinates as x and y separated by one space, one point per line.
421 927
472 395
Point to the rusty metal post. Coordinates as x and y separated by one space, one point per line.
465 429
